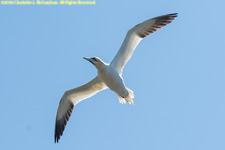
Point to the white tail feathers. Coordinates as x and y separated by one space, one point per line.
131 93
121 100
129 98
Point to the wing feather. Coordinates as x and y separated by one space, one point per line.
135 35
70 99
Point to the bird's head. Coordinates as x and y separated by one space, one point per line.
97 62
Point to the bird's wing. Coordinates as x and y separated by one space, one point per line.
70 99
135 35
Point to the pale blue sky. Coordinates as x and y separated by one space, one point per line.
177 75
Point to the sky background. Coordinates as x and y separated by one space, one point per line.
177 75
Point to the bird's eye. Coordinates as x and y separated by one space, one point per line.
94 59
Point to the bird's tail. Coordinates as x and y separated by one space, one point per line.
129 98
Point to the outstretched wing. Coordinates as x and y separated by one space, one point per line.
70 99
135 35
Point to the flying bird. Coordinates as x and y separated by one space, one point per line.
109 75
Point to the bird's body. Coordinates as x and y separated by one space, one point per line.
109 75
113 80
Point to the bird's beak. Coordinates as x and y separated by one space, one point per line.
88 59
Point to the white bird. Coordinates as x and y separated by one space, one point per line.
109 75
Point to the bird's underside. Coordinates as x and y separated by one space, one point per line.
109 76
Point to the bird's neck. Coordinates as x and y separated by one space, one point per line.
102 66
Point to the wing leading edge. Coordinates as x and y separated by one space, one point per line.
135 35
70 99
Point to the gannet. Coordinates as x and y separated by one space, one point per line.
109 75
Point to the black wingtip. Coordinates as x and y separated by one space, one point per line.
160 22
61 123
173 15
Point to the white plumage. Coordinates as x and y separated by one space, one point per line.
109 75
